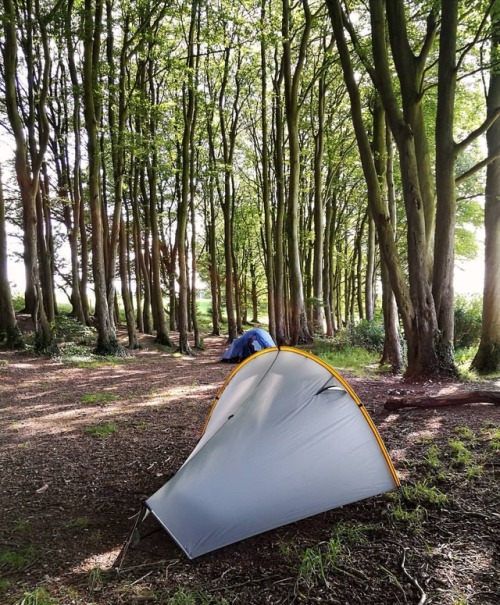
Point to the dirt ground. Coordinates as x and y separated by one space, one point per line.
68 496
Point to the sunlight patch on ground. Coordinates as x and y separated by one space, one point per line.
67 421
103 561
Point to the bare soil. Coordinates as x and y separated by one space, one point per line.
68 498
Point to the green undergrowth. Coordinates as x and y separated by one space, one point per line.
315 564
458 461
17 559
99 398
356 360
38 596
101 430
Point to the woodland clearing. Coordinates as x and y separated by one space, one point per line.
83 444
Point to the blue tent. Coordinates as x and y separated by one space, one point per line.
248 343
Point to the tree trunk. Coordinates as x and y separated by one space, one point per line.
159 321
446 205
299 331
392 353
107 343
74 222
268 240
279 264
487 359
10 335
28 172
126 296
319 228
188 110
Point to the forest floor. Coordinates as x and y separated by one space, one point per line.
83 444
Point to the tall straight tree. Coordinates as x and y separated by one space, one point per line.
299 330
487 358
188 112
107 342
29 155
266 194
10 335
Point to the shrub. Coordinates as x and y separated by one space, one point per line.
468 320
367 334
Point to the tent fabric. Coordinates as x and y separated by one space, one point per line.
287 438
238 350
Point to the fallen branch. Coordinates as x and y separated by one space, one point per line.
437 401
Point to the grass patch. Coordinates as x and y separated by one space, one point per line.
39 596
354 359
17 560
95 581
432 457
421 493
460 455
99 398
4 585
465 433
22 526
193 597
101 430
474 472
316 562
97 361
413 517
78 524
495 440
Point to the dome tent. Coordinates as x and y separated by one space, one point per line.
286 439
239 350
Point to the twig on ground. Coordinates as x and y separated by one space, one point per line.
142 578
414 581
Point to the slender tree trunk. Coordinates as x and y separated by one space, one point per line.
392 353
279 264
299 331
160 323
446 205
126 296
28 172
10 335
106 341
319 231
188 107
487 358
269 260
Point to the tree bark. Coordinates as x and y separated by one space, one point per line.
487 358
299 330
10 335
28 171
107 343
446 205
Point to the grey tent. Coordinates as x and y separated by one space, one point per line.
287 438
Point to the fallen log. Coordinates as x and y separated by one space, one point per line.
438 401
